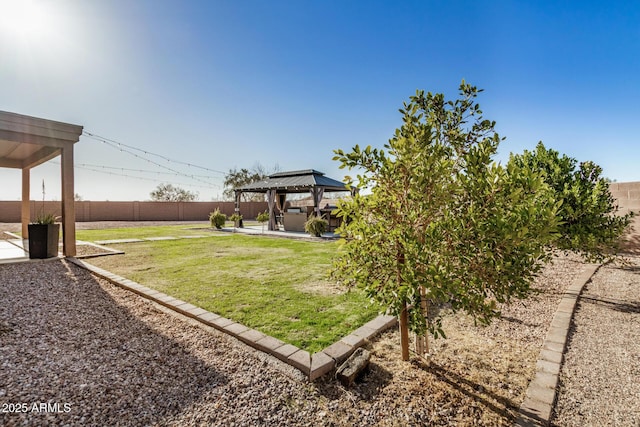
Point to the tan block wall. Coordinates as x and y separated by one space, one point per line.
157 211
627 195
105 211
10 211
87 211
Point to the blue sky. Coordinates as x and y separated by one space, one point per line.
226 84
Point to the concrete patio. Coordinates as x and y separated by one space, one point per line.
13 251
258 229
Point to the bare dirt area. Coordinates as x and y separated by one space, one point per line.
600 376
116 358
90 251
478 375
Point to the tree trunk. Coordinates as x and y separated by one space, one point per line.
404 315
422 341
404 332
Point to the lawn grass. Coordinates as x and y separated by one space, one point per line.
277 286
142 232
150 231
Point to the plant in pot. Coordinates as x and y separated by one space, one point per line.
43 237
44 234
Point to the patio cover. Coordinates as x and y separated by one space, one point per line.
281 183
26 142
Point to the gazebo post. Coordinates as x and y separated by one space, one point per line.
316 194
238 195
271 201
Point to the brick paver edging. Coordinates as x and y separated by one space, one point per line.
537 408
312 365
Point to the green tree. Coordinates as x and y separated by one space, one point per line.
442 223
262 218
588 225
171 193
237 178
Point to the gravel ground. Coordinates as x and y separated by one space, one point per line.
117 359
600 376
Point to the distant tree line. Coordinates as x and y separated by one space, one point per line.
239 177
171 193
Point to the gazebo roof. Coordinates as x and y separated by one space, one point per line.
294 182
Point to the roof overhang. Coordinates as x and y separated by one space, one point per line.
26 142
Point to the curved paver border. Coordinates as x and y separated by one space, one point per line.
537 408
312 365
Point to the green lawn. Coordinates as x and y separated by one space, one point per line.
277 286
142 232
152 231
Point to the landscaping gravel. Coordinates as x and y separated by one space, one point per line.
111 358
600 376
88 353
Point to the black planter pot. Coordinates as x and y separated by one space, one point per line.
43 240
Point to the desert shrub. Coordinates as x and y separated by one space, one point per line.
217 218
263 217
315 226
237 220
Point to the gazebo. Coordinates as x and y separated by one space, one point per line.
26 142
278 185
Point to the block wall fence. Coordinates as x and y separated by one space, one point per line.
627 195
134 211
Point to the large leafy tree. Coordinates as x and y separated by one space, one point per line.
442 223
171 193
588 222
238 177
